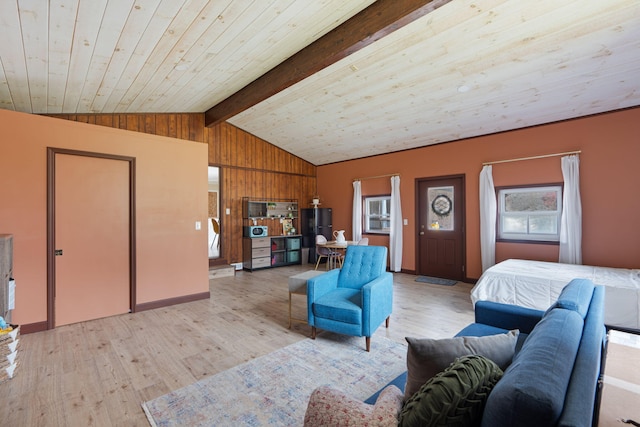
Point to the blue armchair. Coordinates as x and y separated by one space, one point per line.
355 299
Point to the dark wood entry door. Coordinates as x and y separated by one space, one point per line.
441 221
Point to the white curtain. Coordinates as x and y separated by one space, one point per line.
571 219
395 231
356 222
488 213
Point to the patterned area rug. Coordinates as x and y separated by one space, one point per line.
436 280
273 390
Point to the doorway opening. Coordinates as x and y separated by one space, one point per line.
214 217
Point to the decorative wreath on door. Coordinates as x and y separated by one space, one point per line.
442 205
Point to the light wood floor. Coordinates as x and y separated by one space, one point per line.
98 373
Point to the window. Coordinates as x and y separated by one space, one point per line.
530 213
377 214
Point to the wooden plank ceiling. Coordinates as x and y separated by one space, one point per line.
464 69
376 21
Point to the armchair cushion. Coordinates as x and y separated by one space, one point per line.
342 305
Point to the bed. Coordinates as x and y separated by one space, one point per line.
537 284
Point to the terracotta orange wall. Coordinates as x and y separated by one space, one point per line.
171 195
609 182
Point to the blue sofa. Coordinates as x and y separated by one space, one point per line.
553 379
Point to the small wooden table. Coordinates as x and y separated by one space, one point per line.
332 244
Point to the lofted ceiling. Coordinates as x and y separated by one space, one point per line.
462 70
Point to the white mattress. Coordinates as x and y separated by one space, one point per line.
537 284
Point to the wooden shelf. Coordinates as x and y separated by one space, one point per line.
269 209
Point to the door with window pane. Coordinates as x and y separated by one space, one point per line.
440 225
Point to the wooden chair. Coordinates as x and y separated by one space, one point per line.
216 230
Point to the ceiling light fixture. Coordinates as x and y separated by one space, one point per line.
181 67
463 88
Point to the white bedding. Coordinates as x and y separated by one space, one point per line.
537 284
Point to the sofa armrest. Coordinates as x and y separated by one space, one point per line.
507 316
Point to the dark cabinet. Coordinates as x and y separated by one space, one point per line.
313 222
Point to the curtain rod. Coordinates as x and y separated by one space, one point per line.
377 176
533 157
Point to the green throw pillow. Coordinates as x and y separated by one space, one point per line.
455 396
426 357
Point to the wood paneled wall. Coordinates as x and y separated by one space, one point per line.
250 166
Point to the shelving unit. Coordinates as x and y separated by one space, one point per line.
270 213
267 252
279 248
285 250
278 251
269 208
6 272
8 341
257 252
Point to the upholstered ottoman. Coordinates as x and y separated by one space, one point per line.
298 285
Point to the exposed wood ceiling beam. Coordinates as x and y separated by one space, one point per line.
376 21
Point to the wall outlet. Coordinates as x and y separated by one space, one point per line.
405 221
198 225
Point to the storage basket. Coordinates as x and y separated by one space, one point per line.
9 343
